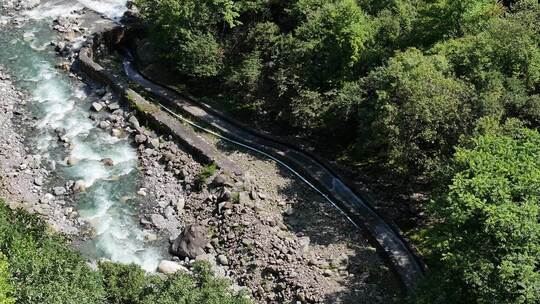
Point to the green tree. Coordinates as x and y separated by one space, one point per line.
503 62
329 41
443 19
202 288
188 32
413 113
487 245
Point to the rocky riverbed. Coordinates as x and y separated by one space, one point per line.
24 174
265 230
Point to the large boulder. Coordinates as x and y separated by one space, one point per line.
170 267
190 243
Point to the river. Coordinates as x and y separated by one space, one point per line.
57 100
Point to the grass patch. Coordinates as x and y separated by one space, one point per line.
205 173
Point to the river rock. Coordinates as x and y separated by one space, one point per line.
104 124
140 138
243 198
153 143
116 132
219 180
169 212
71 161
79 186
170 267
180 204
134 122
108 162
97 106
38 181
158 221
58 191
190 243
222 259
169 156
113 106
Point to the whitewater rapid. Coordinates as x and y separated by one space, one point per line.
62 102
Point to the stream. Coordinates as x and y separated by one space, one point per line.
59 101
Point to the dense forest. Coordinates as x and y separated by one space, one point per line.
443 90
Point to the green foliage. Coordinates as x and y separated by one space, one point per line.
412 76
205 173
487 246
442 19
187 32
203 287
6 290
43 268
414 110
503 62
329 41
40 267
124 284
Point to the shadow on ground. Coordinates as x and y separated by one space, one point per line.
364 278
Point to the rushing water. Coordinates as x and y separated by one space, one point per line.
59 101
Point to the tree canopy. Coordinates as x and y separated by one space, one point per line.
488 241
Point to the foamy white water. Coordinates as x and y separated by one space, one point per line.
61 102
113 9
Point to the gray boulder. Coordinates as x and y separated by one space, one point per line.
190 243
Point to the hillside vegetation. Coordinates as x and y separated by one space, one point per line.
441 90
37 266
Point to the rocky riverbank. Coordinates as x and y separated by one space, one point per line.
24 174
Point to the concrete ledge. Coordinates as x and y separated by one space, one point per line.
154 117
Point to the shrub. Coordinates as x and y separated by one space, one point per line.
205 173
124 284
